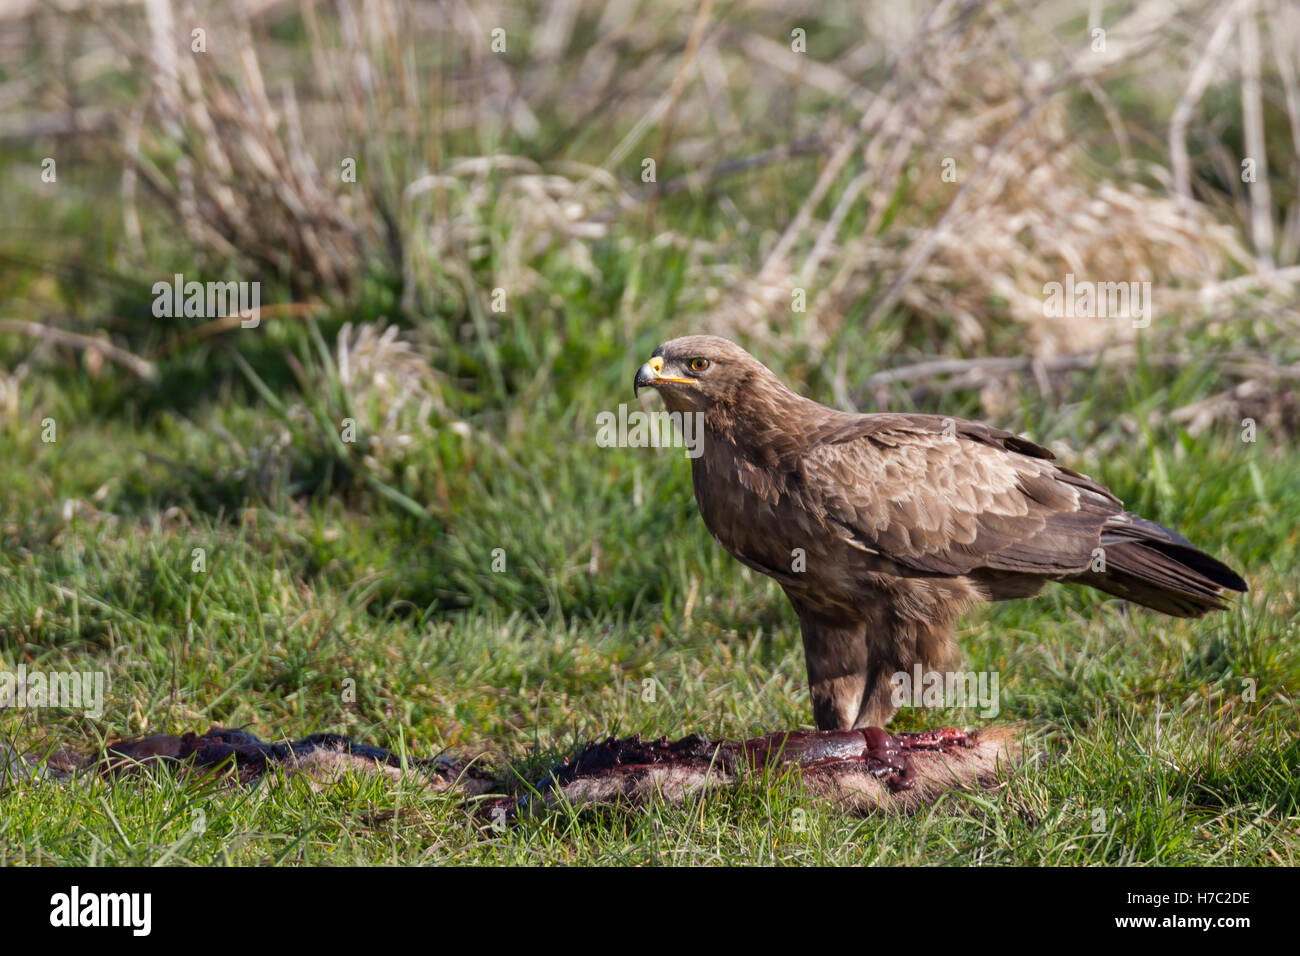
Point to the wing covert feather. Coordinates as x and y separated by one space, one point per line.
960 501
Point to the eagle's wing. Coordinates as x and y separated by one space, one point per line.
944 496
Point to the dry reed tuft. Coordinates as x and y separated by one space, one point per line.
390 386
478 171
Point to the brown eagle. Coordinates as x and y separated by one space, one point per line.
882 529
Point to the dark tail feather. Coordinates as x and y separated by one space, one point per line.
1150 565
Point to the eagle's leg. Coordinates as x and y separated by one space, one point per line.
903 647
852 662
836 656
876 706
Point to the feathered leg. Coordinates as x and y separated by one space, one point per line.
898 648
836 657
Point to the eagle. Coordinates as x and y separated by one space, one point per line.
883 528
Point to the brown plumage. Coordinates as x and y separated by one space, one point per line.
883 528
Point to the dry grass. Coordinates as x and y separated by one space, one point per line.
374 561
390 384
474 167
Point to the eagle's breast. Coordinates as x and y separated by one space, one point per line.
761 512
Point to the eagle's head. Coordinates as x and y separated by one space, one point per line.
699 372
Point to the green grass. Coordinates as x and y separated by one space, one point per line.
313 578
325 566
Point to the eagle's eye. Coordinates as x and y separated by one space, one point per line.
699 364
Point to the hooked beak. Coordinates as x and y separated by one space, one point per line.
649 375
